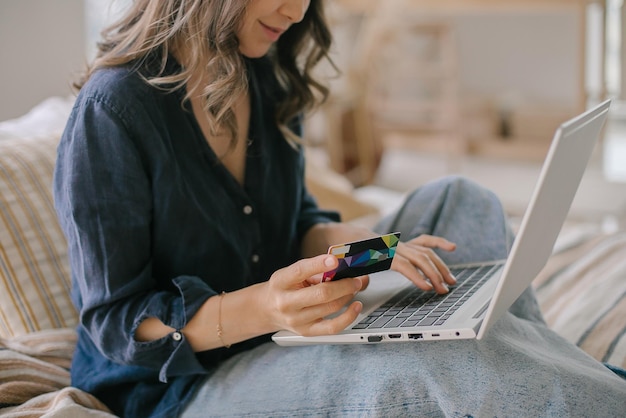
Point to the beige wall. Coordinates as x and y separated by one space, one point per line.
535 57
41 44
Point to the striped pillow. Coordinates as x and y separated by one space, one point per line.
34 271
35 378
582 293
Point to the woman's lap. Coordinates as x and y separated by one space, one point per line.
520 369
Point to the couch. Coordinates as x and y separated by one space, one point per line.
582 290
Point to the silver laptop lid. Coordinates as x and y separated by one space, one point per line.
556 188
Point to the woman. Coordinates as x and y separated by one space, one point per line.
179 186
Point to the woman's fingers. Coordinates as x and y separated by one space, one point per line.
301 303
425 276
432 241
307 308
415 275
365 281
335 324
418 262
303 270
322 318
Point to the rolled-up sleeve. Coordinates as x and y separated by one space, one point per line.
102 189
172 355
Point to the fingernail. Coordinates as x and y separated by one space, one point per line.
453 278
358 307
329 262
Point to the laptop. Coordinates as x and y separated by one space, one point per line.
395 310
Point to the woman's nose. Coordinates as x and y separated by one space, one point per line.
294 10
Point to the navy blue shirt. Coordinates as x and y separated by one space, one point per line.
156 225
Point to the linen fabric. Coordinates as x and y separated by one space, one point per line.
34 270
156 225
35 377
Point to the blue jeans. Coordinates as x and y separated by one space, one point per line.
521 368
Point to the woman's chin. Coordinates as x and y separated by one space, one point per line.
257 52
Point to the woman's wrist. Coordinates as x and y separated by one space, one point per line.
245 314
229 318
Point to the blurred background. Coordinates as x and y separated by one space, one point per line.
424 88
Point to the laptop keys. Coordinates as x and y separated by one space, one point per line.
419 308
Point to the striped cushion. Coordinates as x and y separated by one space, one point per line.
582 293
34 271
35 378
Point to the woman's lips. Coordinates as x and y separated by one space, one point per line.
271 32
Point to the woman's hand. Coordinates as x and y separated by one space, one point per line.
298 301
419 263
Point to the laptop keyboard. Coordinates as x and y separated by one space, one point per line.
419 308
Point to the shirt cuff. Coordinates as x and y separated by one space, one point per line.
173 352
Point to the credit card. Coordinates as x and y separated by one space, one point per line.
360 258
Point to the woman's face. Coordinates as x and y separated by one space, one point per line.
265 21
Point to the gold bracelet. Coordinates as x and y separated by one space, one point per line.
220 333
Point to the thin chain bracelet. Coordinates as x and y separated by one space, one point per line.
220 333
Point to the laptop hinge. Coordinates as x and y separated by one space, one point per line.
482 310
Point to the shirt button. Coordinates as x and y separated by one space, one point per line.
247 209
255 258
177 336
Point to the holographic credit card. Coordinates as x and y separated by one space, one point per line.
360 258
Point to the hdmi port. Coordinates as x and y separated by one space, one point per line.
416 336
394 335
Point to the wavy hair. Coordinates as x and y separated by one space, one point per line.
151 30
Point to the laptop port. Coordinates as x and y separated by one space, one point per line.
435 335
416 336
375 338
394 336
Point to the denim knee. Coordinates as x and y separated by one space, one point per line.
462 185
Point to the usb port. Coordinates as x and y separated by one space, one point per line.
416 336
435 335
